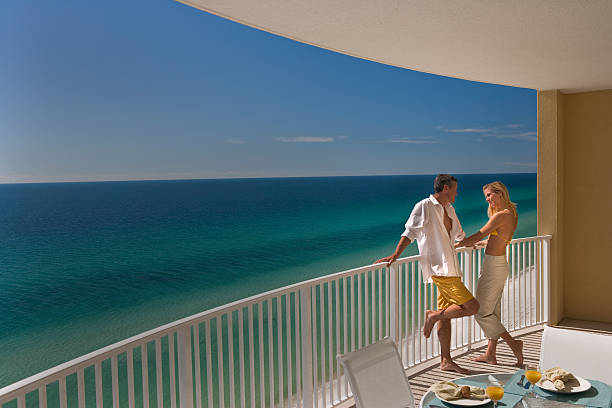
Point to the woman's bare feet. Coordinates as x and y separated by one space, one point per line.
485 358
450 365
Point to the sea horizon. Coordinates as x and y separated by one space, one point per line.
254 178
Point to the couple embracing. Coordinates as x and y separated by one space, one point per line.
433 223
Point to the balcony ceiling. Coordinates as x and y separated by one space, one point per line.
539 44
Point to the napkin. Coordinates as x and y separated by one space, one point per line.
450 391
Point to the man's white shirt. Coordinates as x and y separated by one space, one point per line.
436 245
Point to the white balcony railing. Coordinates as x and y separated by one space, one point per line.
278 348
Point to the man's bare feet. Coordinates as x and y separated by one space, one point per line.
485 359
517 349
430 321
450 365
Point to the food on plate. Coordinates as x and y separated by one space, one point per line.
560 378
450 391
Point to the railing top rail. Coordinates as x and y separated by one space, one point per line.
52 374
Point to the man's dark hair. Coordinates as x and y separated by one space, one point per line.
443 180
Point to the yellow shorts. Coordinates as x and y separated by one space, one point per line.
451 291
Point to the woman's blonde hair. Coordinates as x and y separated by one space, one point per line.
499 188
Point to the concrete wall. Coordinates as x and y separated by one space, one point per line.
575 201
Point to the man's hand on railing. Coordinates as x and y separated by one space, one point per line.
388 259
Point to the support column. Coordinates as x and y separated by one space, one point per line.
550 190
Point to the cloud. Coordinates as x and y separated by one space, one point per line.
496 132
526 136
305 139
516 164
413 140
465 130
234 141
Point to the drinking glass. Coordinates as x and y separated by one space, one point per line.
533 375
494 391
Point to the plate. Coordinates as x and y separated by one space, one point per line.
467 402
579 385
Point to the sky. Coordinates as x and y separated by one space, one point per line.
154 89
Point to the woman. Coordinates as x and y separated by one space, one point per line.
503 219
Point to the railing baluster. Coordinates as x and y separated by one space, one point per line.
196 361
144 362
230 345
323 343
419 336
241 357
183 337
62 393
359 310
158 371
21 401
338 385
262 378
270 353
367 307
315 349
528 285
546 271
379 275
130 372
42 396
300 354
346 333
279 342
353 314
81 388
209 384
289 350
172 371
413 276
330 343
538 276
114 381
99 396
220 358
252 355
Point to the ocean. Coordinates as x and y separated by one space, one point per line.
84 265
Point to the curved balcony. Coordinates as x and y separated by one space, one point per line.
278 348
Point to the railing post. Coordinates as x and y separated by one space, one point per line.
469 284
306 341
393 304
546 265
184 366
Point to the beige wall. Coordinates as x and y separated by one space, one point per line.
575 201
550 190
588 206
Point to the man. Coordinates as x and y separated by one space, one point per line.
433 223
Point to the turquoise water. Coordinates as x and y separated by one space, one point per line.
83 265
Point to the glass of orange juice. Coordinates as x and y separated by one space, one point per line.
533 375
495 392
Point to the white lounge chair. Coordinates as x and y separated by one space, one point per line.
376 376
585 354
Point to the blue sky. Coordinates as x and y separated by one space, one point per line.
136 89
